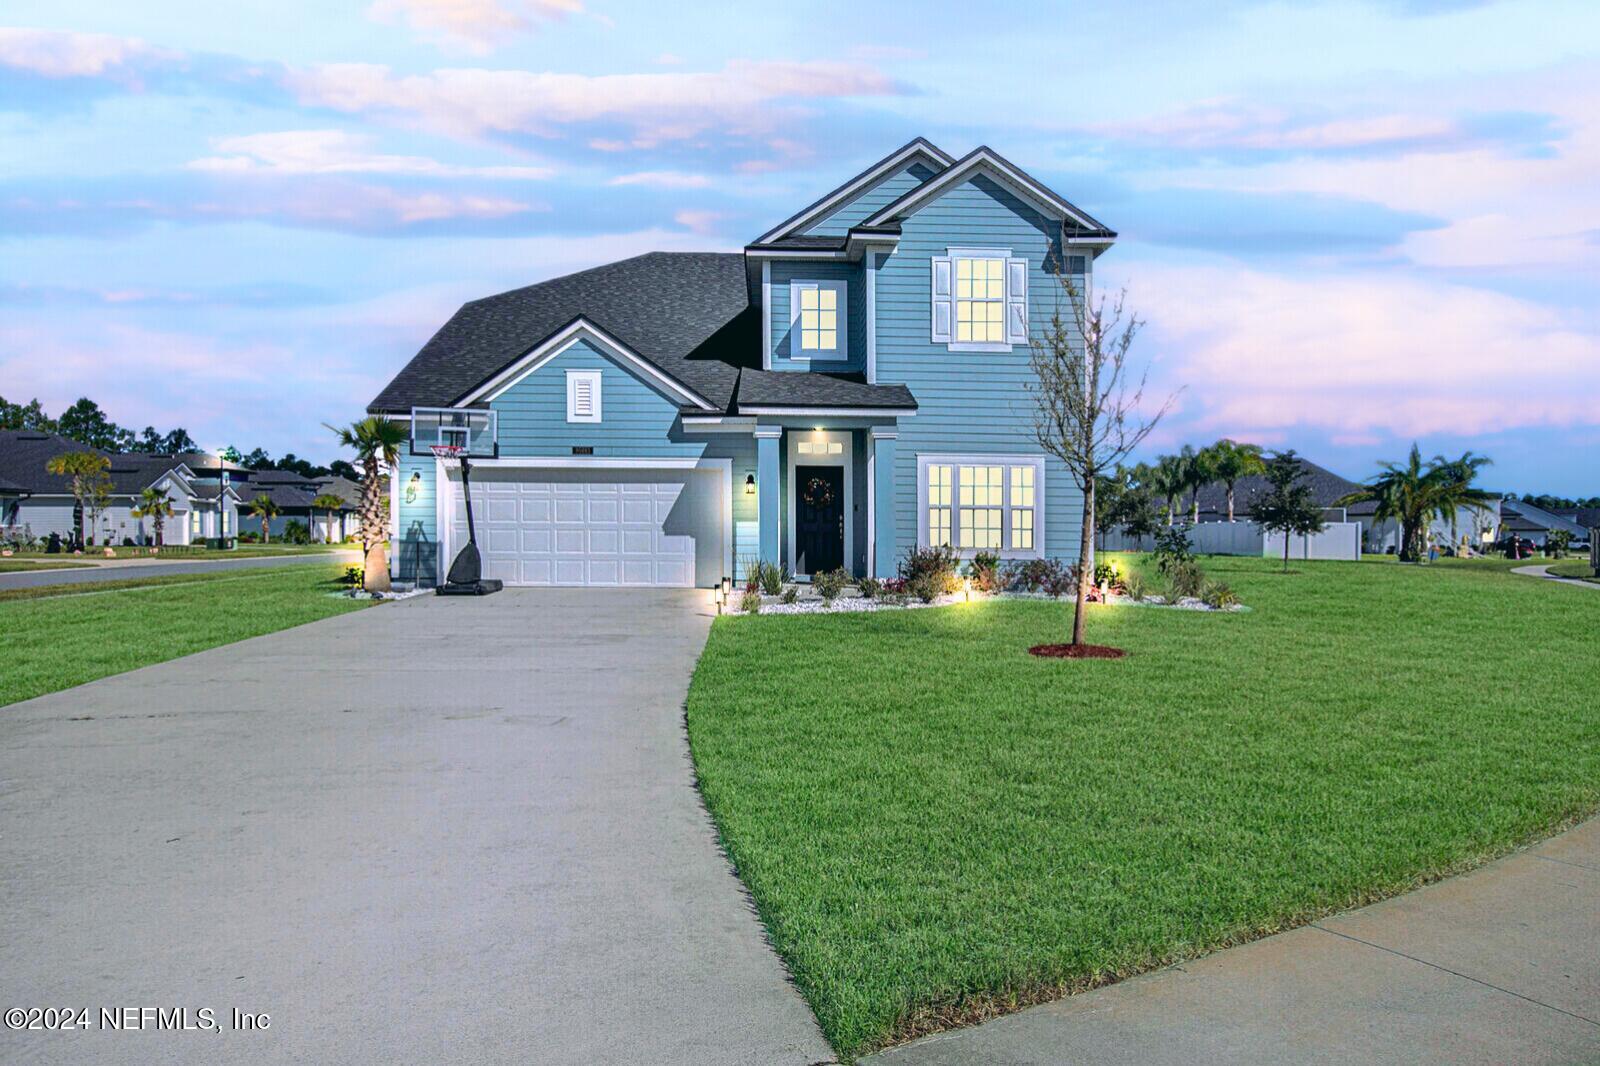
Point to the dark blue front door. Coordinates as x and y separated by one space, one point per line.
818 519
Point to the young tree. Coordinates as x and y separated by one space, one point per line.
155 504
1231 461
1088 403
264 508
327 501
25 416
1194 474
90 486
1288 507
377 443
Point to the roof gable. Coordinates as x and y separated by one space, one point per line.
916 151
984 160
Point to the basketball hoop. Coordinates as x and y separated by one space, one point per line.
447 451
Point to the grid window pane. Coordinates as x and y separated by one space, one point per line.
1022 486
1022 528
980 527
939 480
938 526
980 300
827 299
819 319
808 299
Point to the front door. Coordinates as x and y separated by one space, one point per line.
818 518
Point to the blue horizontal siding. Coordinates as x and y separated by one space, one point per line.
785 271
969 402
871 201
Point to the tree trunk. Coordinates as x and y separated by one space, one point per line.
375 568
1230 501
375 556
1085 565
1195 520
1286 551
266 530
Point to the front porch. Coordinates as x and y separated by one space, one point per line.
826 495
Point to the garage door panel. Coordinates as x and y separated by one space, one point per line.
595 527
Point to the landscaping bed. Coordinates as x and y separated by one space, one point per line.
936 826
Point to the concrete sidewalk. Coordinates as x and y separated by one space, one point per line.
123 570
1544 572
1498 966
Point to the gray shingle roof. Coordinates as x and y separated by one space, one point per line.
1326 486
1523 517
24 453
679 310
806 243
779 388
290 490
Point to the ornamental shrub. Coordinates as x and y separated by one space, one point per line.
926 586
791 593
831 583
1060 579
984 571
751 604
940 563
1172 548
1187 580
870 587
1217 594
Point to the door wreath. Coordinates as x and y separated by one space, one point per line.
818 493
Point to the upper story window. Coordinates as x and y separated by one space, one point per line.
583 396
980 300
817 326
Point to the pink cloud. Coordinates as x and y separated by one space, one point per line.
1233 125
472 25
1362 355
336 152
61 54
474 102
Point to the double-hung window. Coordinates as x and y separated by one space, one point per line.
980 300
817 322
982 503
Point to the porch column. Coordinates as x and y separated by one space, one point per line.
768 439
885 547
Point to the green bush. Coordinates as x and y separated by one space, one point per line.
831 583
791 593
1134 586
870 587
926 586
984 571
1061 579
937 563
352 576
296 532
1186 580
751 604
1172 548
1217 594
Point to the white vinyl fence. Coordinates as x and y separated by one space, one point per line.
1338 540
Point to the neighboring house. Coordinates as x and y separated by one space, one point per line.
851 385
1326 489
1533 524
47 505
11 496
1587 517
294 493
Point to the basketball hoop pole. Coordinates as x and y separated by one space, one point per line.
466 574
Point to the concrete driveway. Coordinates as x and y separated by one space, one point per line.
443 830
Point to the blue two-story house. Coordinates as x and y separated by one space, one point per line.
850 385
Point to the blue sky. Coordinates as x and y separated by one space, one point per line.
1349 225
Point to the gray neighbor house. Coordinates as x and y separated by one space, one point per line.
38 503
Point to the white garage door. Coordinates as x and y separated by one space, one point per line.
590 527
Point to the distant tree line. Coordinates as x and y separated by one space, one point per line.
1556 503
86 423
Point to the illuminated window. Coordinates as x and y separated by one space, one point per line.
975 505
831 447
980 300
939 483
816 320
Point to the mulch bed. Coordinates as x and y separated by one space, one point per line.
1076 651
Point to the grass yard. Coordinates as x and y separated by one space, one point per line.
11 566
63 635
1578 568
937 827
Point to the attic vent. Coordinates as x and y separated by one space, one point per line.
583 396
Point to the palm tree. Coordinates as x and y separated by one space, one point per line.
377 444
327 501
1231 461
157 505
1167 482
263 507
1194 474
1414 494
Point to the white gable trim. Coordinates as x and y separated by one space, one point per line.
918 149
986 162
582 329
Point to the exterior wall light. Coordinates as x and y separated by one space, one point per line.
413 486
749 484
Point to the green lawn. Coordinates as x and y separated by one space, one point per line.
63 635
1573 568
8 566
936 826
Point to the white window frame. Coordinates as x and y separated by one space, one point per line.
946 304
841 351
955 462
573 378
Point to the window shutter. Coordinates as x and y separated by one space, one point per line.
944 310
795 288
1016 301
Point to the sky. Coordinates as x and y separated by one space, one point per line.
1349 226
